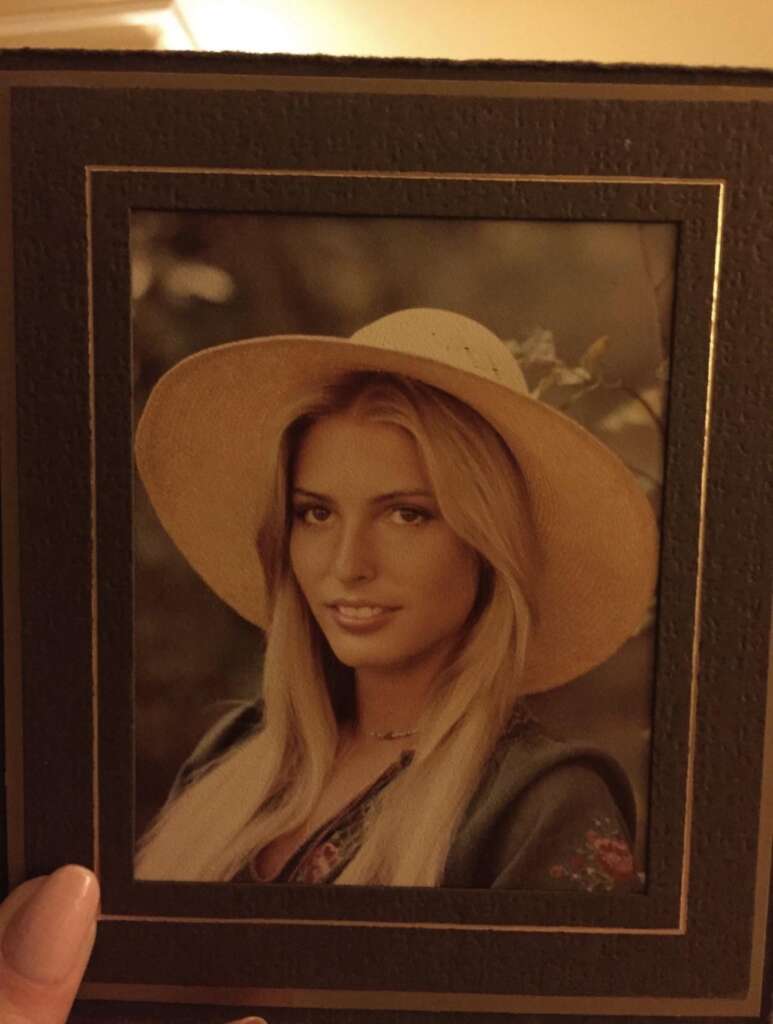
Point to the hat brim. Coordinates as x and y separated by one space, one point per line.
199 445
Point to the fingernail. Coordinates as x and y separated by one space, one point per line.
45 937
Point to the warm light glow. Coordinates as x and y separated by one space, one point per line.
276 26
697 32
689 32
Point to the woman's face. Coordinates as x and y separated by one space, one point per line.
388 581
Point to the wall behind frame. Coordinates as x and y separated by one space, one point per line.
729 33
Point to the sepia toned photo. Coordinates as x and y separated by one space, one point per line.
396 548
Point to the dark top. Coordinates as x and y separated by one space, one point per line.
546 815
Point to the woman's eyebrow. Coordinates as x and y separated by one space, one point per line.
311 494
393 495
388 496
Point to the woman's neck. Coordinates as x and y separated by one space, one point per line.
393 700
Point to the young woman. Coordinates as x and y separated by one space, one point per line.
424 544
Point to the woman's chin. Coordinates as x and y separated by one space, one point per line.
355 659
390 659
357 653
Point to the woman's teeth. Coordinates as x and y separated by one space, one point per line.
364 612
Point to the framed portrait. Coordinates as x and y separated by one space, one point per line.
543 291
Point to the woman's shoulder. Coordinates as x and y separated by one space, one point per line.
540 799
237 723
528 755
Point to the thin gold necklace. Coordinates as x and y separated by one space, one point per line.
391 734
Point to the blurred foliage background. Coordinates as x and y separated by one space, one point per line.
585 308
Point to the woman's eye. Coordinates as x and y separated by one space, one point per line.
409 516
311 514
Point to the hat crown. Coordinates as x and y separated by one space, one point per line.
448 338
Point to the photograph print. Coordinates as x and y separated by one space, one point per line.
398 486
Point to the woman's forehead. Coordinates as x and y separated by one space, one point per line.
352 453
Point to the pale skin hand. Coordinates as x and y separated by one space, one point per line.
47 931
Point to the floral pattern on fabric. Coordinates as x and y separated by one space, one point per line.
324 860
601 860
325 854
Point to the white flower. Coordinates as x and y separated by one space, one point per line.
539 347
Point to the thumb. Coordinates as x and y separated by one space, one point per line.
47 929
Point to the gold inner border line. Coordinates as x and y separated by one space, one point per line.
316 922
94 550
583 179
720 184
697 614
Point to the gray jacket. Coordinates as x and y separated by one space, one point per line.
546 815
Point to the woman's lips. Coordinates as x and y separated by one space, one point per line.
361 618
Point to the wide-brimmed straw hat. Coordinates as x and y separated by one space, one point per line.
207 421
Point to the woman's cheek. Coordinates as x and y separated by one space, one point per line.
300 558
311 555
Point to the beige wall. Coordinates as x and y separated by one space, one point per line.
688 31
709 32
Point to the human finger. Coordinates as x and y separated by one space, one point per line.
47 930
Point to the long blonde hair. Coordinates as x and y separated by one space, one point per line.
269 784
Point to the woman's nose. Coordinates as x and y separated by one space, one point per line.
354 557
